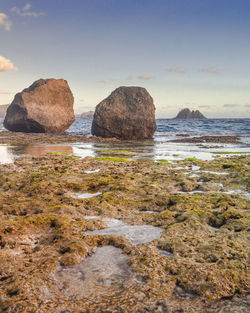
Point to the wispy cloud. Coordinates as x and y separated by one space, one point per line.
4 92
130 77
6 65
204 106
25 11
27 7
176 69
5 22
210 69
247 105
145 77
231 105
103 81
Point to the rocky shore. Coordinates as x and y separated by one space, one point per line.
212 139
13 138
7 137
59 218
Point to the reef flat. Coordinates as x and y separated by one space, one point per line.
55 258
14 138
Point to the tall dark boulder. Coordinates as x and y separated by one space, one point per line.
46 106
128 113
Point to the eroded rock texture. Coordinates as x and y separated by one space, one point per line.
45 107
128 113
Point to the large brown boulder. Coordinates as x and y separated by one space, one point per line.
45 107
128 113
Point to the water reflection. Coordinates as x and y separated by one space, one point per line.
154 149
84 150
146 149
126 149
137 234
86 195
103 273
38 150
8 154
5 156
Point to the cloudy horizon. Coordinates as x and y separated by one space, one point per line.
185 53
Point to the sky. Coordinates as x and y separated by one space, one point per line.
186 53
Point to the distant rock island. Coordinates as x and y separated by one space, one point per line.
187 113
3 109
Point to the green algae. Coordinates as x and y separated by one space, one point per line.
41 226
114 159
116 151
231 152
193 160
162 161
59 153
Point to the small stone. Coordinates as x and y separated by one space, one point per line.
13 292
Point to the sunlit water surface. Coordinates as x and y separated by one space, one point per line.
157 148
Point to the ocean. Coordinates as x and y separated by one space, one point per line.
160 147
168 127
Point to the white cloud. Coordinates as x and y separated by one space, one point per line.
27 7
145 77
204 106
5 21
130 77
6 65
176 69
231 105
247 105
104 81
25 11
15 10
210 69
33 14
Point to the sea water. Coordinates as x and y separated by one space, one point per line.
160 147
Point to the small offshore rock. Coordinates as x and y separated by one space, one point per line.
188 114
45 107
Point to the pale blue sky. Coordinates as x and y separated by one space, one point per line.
187 53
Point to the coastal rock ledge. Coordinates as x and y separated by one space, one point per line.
45 107
128 113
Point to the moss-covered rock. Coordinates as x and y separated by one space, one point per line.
42 227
